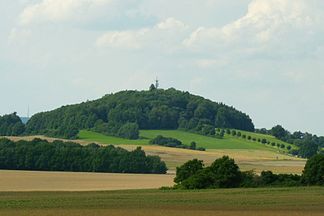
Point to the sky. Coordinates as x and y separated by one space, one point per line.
264 57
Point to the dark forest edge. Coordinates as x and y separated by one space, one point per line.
224 173
124 113
42 155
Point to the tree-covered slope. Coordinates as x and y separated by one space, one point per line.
123 113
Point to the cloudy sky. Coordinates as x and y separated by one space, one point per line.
264 57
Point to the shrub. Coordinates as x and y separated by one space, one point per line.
263 141
188 169
244 136
233 133
239 134
249 137
313 173
129 131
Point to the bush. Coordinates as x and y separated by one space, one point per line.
249 137
233 133
129 131
263 141
313 173
244 136
188 169
239 134
223 173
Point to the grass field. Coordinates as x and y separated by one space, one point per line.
241 202
228 142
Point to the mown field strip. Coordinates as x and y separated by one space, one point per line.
242 202
70 181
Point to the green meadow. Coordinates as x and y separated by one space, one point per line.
228 142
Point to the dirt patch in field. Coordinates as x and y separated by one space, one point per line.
69 181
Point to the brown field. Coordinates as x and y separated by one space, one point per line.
70 181
247 159
257 160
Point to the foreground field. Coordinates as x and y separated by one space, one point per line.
69 181
241 202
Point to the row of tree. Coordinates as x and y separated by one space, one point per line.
308 143
260 140
174 143
224 173
154 109
67 156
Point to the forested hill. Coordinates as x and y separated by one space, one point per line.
123 113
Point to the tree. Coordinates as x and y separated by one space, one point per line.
129 131
193 145
233 133
187 170
226 173
152 87
308 149
313 173
279 132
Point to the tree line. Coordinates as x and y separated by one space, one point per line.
264 141
174 143
224 173
309 144
124 113
68 156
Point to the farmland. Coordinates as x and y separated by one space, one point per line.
270 201
75 181
248 154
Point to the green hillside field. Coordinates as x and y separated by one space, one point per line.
228 142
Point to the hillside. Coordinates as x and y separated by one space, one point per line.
228 142
123 113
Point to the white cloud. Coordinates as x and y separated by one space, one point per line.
59 10
271 26
171 23
122 39
169 30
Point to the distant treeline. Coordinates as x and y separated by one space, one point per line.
124 113
174 143
224 173
67 156
308 143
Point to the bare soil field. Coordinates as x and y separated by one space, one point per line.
70 181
